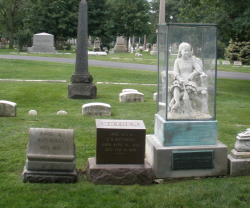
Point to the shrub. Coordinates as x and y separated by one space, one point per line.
238 51
24 38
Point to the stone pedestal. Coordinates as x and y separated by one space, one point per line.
82 91
186 161
239 159
119 174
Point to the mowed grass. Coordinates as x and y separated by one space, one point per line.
233 115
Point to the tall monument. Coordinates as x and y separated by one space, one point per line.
81 86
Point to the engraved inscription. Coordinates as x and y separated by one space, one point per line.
183 160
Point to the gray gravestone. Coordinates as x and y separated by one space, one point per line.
3 43
239 159
7 108
97 45
81 86
42 43
96 109
50 156
120 153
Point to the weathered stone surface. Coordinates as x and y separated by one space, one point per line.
160 158
131 97
32 113
50 156
96 109
239 167
119 174
120 141
7 108
82 91
61 112
242 143
43 42
121 45
129 90
81 86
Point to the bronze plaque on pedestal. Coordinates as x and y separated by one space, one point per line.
120 141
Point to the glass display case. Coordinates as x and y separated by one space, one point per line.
187 69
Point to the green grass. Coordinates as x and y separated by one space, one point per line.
47 98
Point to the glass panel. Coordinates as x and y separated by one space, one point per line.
189 61
162 68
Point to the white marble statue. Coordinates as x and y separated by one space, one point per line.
187 87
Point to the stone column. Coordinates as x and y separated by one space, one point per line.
81 86
162 12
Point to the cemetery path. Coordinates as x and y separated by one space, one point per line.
220 74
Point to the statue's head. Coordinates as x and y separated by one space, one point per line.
184 46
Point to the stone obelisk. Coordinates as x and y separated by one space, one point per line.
81 86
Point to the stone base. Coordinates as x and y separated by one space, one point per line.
154 53
239 167
119 174
161 160
49 176
120 49
82 91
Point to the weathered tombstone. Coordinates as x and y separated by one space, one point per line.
96 109
185 140
81 86
97 45
50 156
237 63
42 43
131 96
225 62
7 108
154 51
3 43
239 159
120 153
121 45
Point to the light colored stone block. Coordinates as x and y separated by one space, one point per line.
160 158
7 108
96 109
131 97
239 167
155 96
42 42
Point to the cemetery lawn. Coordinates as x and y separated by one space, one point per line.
233 115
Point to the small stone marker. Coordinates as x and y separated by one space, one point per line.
96 109
50 156
61 112
239 159
33 113
120 154
237 63
131 97
7 108
225 62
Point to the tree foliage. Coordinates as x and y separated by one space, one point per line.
11 12
58 17
128 17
